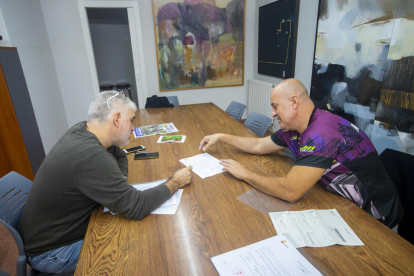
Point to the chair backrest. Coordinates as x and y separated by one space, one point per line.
399 166
258 123
173 100
236 110
14 191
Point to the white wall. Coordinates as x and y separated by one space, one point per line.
308 16
27 31
66 37
68 47
5 42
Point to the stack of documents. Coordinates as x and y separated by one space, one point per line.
169 207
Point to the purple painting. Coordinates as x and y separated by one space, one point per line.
200 43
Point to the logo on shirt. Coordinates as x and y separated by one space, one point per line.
307 149
294 138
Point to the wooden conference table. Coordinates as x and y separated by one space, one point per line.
211 220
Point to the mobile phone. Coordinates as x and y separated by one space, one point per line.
143 156
134 149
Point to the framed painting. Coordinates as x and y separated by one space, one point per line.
364 66
278 23
200 43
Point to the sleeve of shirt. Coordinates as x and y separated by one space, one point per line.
277 138
120 157
101 180
314 161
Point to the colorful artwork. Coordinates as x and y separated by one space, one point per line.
200 43
364 67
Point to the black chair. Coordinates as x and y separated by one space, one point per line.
14 191
236 110
399 166
258 123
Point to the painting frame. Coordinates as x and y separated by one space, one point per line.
273 51
199 45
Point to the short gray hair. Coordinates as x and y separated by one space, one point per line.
98 109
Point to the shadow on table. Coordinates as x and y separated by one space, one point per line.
265 203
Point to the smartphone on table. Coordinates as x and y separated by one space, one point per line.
134 149
145 155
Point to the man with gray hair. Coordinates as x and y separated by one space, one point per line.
85 170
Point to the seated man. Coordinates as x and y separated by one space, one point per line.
85 170
327 148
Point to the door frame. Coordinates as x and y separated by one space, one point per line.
136 43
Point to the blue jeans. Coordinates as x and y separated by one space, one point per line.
57 260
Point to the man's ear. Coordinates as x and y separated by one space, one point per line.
294 101
116 118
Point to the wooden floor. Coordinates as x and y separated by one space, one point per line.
8 252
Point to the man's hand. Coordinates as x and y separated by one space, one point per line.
235 168
180 179
208 141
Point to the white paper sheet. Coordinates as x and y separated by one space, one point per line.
169 207
314 228
204 165
273 256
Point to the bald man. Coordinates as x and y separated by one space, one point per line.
328 149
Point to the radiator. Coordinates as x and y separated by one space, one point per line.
259 100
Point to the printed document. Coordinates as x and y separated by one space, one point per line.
314 228
204 165
167 208
273 256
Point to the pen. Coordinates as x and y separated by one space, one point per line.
141 152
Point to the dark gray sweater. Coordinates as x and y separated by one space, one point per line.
77 177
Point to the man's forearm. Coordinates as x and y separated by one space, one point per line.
246 144
271 185
172 185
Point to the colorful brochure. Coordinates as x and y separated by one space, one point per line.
154 130
172 139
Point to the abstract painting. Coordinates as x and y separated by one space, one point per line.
364 67
200 43
278 23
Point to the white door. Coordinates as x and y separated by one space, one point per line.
136 43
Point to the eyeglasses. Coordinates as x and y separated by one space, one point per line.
107 102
